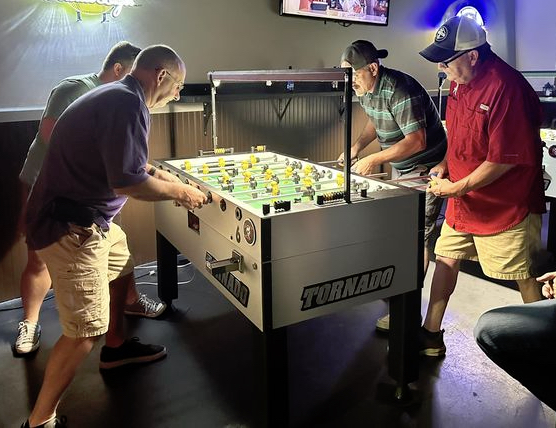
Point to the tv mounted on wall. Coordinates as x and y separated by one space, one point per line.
373 12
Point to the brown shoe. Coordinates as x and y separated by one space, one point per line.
431 344
60 422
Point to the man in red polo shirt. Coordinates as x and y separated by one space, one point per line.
492 172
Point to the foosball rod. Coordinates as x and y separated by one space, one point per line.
265 195
232 162
285 186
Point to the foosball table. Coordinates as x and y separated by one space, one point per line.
278 230
281 244
285 240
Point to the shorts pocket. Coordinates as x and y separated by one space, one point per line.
80 296
82 236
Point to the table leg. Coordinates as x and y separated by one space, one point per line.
167 269
271 362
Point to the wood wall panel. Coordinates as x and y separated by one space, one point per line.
189 134
11 267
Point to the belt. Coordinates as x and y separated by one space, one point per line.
70 211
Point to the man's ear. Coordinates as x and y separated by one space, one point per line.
473 57
373 67
160 74
118 70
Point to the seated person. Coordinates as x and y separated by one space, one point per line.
521 339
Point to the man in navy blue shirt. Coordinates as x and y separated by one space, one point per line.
97 159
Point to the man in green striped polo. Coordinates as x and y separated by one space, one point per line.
404 120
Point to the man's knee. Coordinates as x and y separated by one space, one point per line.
87 343
485 331
447 262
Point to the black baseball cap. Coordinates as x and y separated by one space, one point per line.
457 34
361 52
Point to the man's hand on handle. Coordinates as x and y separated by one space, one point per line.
192 198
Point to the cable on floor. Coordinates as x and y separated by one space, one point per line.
8 305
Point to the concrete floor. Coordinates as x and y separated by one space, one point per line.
337 365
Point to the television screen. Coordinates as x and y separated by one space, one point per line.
348 11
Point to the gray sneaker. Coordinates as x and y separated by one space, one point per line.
28 337
145 307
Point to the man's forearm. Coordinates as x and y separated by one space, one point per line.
153 189
359 145
409 145
395 153
485 174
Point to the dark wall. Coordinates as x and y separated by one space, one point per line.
16 137
549 114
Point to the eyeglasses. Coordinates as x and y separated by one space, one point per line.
449 60
176 81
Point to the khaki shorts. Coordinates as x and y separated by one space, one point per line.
505 255
82 264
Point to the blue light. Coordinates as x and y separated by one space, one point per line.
432 14
438 11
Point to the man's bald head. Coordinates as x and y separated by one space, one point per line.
156 57
161 73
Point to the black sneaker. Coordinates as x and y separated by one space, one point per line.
130 352
431 344
54 423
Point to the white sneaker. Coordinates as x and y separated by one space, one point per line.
383 323
145 307
28 335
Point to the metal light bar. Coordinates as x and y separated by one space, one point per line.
313 75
